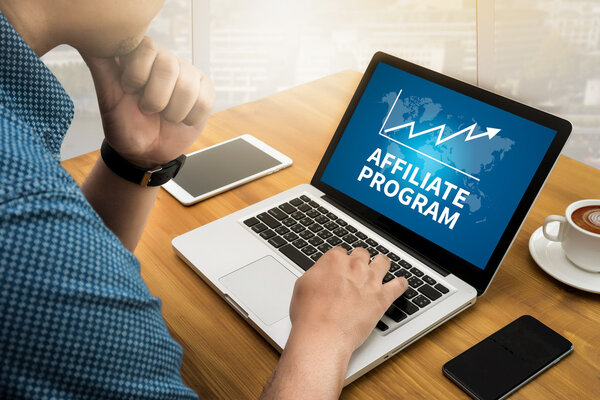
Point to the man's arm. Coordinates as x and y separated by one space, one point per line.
153 106
334 308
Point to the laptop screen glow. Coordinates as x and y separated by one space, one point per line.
444 165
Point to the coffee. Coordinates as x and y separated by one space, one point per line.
587 218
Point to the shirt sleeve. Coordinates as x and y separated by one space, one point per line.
76 318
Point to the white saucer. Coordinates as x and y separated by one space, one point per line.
551 258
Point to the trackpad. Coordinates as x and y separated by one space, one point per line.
263 287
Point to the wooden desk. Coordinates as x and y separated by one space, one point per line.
225 358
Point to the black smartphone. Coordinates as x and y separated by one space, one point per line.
507 359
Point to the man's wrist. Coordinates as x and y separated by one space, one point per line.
155 175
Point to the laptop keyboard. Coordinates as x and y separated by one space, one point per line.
302 230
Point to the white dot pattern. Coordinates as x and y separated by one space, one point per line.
76 318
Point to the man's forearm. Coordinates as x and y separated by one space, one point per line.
123 206
312 366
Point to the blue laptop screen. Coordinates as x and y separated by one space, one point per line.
442 164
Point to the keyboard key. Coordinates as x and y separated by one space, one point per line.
403 272
288 208
346 246
324 248
281 230
351 229
421 301
306 234
290 237
296 256
306 221
341 232
414 282
388 277
313 213
305 208
393 257
268 234
416 271
405 264
299 243
334 241
258 228
296 202
371 242
251 221
361 235
298 215
405 305
322 219
267 219
372 252
442 288
308 250
315 241
314 204
430 292
395 313
316 256
289 221
360 243
341 222
323 210
325 234
394 267
382 326
316 228
298 228
278 214
350 238
382 249
429 280
331 225
332 216
277 241
410 293
305 198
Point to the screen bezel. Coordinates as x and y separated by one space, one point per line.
476 277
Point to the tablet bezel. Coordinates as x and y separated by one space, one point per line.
476 277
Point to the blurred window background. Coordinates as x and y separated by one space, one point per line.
545 52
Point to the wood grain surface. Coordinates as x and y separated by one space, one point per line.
224 358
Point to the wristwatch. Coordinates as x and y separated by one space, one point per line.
154 176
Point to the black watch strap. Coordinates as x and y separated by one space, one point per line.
155 176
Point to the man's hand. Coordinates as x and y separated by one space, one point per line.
153 104
342 297
335 306
153 107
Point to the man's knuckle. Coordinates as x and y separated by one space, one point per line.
166 64
134 78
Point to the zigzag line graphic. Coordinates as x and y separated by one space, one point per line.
490 132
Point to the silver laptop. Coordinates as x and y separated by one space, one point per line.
433 172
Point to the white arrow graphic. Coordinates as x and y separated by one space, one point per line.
490 132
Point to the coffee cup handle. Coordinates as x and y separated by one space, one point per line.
561 229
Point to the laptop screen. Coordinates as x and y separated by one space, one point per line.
449 167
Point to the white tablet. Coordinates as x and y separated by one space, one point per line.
221 167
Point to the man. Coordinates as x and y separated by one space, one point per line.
76 319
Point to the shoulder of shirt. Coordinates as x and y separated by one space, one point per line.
26 165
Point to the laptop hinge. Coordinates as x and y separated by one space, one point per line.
430 263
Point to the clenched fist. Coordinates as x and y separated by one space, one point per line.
153 104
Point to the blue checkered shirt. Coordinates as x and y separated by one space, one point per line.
76 319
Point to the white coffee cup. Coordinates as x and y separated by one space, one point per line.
581 246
